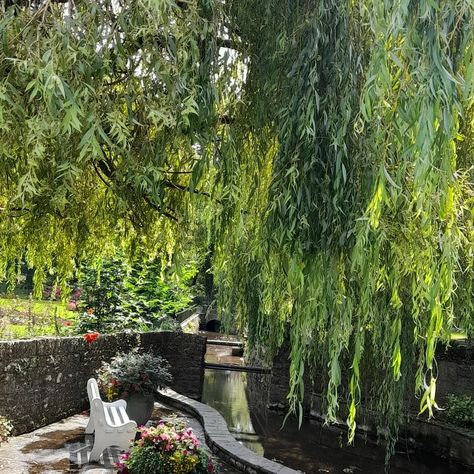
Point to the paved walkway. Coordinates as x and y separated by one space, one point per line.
63 447
56 448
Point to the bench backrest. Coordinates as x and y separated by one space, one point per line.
92 390
97 406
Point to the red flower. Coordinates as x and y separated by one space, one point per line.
67 323
91 336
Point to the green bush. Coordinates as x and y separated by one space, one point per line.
101 289
140 297
460 410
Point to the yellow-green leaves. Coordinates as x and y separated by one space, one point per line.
367 237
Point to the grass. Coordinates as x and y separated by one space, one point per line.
22 318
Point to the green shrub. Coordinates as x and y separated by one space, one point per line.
141 297
101 294
460 410
133 372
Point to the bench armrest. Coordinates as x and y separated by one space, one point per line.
117 403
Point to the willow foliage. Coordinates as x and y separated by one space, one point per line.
321 149
102 106
361 113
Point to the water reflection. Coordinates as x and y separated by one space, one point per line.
222 355
224 390
318 449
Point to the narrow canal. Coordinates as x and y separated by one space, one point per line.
313 448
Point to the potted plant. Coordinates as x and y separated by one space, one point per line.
170 447
134 377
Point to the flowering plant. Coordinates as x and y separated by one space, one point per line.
91 336
167 448
133 372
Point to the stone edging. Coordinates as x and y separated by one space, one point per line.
434 437
220 440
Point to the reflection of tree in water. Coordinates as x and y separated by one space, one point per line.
310 448
225 391
258 391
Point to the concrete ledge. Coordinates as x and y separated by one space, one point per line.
188 312
223 342
191 324
220 440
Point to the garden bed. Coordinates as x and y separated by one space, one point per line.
22 318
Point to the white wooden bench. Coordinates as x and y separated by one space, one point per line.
109 422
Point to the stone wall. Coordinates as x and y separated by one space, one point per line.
456 370
185 353
44 380
455 374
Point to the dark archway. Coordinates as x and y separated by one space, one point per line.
214 325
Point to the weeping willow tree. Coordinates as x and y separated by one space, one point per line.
321 149
103 106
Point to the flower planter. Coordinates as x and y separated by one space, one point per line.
140 407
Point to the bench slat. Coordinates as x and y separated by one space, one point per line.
111 416
122 415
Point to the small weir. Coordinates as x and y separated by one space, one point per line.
239 395
238 368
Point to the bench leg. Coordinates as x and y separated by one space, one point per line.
97 450
123 441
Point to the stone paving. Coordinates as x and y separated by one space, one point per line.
63 447
56 448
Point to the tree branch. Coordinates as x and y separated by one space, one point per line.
107 169
159 209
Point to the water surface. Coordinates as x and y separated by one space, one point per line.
311 449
